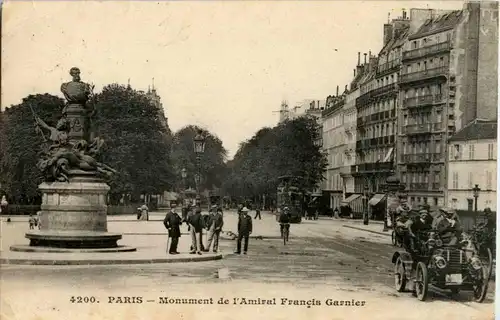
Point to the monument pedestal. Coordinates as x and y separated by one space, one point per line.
73 215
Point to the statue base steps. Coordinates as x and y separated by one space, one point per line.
74 214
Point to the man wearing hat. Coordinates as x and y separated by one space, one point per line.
448 226
195 222
244 230
215 226
418 225
172 222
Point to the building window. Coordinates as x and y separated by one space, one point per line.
469 180
470 203
455 180
425 200
458 152
490 151
489 180
453 203
471 152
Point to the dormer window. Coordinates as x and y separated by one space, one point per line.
457 151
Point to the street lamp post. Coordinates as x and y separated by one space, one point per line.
199 148
475 190
365 213
184 176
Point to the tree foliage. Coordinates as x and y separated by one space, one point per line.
21 144
287 149
212 161
138 140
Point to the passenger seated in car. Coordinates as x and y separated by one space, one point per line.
448 226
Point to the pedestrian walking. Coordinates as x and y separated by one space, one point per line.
244 230
32 222
4 205
172 223
257 213
216 224
195 222
144 212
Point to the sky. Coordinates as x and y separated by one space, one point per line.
225 66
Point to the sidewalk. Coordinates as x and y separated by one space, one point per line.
148 237
372 227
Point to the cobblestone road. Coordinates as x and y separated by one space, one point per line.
322 258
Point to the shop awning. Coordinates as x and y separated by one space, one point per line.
350 199
388 156
376 199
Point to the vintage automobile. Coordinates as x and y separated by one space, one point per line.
453 267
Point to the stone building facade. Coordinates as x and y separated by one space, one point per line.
473 160
333 145
439 93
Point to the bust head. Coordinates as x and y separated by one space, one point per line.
75 73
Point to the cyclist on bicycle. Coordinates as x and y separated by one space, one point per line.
284 220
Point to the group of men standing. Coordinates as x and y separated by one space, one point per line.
213 223
196 222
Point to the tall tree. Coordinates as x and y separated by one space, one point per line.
212 161
138 141
286 149
19 174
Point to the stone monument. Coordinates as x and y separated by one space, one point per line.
74 194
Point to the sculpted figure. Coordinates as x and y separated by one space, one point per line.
76 91
59 134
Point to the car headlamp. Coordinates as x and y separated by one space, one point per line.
440 262
476 263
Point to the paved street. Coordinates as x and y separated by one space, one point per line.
323 259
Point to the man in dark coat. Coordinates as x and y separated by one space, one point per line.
216 223
244 230
257 212
172 222
195 222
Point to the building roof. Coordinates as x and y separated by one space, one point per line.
477 130
396 41
440 23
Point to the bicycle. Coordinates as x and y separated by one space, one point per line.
285 232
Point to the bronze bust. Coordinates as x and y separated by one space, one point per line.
76 91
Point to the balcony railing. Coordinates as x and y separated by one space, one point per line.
427 50
345 170
437 157
419 128
417 158
422 158
372 167
388 67
425 74
422 100
365 98
436 186
419 186
422 128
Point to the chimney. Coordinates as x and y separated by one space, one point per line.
369 54
354 72
359 58
346 89
387 33
337 91
404 14
365 57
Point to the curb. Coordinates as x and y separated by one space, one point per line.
366 230
40 262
